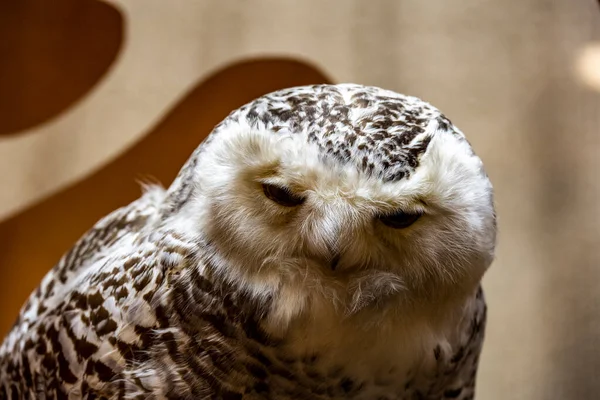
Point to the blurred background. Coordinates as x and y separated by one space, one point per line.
96 96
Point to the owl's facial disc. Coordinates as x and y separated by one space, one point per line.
283 201
345 191
325 208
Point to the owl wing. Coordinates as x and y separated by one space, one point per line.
92 245
108 230
64 327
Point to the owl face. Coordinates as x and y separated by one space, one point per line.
354 194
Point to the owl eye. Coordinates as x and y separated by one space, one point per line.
282 196
399 219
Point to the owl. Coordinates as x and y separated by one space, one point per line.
323 242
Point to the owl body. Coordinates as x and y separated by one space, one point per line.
323 242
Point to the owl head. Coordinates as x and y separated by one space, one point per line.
346 194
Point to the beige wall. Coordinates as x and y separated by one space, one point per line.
97 94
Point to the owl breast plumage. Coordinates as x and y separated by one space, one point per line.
324 242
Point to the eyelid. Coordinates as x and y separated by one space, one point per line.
413 208
267 181
283 184
272 180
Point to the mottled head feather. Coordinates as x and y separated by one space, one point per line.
213 290
381 132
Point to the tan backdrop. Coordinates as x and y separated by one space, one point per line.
95 96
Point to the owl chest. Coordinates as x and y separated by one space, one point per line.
319 376
370 368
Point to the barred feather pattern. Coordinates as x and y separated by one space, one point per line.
139 309
158 325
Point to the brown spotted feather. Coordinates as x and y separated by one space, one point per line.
136 309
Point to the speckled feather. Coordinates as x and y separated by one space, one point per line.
144 307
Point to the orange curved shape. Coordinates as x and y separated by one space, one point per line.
53 53
35 239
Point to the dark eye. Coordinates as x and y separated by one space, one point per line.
282 196
399 220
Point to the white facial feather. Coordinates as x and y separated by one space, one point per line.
362 281
286 251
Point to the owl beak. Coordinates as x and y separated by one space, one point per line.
334 261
